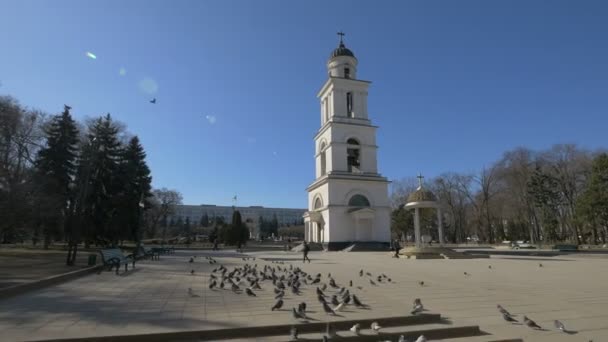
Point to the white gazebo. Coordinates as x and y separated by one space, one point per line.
422 198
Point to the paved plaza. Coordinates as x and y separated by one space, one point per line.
154 297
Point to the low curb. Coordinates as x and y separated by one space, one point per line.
278 330
16 290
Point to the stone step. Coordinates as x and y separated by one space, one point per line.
482 338
267 331
431 331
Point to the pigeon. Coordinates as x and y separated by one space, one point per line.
358 302
418 308
278 305
192 272
361 273
191 260
302 307
293 334
339 307
540 265
466 274
350 283
559 325
421 338
376 327
250 293
211 285
509 318
235 287
531 323
334 300
372 282
320 293
389 280
280 295
368 274
324 287
222 285
332 283
356 329
421 283
503 310
328 309
296 314
401 339
489 266
153 101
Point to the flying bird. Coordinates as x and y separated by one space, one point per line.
153 101
356 329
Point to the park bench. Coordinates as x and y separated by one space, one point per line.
566 248
147 252
163 250
113 257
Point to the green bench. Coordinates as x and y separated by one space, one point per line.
147 252
114 257
566 248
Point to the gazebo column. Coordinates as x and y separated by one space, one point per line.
440 227
417 226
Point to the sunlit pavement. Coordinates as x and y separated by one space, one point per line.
154 297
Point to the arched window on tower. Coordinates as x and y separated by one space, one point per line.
318 204
349 104
353 153
358 201
323 160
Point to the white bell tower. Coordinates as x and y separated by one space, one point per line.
348 201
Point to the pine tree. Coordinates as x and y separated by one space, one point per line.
133 185
592 207
55 169
97 180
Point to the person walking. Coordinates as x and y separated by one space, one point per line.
305 250
396 247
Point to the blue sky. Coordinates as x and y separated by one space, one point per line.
455 83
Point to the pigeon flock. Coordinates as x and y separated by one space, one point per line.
289 282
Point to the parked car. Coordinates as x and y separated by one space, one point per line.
523 245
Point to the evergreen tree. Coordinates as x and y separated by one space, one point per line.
593 203
274 225
55 168
98 185
134 188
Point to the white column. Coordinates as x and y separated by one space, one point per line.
440 227
417 227
306 234
356 228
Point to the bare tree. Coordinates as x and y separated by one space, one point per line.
163 206
451 190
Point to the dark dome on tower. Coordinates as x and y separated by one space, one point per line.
341 50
